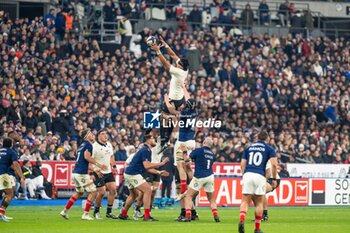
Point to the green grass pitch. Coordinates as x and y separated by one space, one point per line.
282 220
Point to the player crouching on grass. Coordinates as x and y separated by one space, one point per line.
134 180
253 167
80 176
203 177
8 158
103 153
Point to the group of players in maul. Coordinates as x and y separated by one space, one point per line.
95 160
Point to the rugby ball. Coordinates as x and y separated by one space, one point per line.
151 40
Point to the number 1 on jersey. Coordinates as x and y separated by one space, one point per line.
208 164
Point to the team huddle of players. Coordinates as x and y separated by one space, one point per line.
93 169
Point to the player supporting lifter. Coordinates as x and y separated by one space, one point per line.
203 159
80 176
253 166
134 180
185 144
102 152
8 158
179 74
152 179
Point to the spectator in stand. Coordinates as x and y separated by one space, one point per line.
283 13
33 184
182 23
127 34
38 174
309 21
60 23
228 8
247 17
27 155
50 18
195 17
121 154
297 23
237 76
109 14
132 9
206 18
283 172
264 13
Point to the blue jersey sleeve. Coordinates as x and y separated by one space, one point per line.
14 156
89 148
194 154
145 156
272 153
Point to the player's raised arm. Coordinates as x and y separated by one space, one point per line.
161 57
171 52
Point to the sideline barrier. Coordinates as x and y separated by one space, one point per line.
305 191
291 192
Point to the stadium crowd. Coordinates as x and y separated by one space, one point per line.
55 83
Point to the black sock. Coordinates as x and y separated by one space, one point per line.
183 212
109 208
265 212
138 208
5 203
193 212
97 209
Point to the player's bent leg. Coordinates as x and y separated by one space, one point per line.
246 199
213 206
259 199
145 188
189 170
131 198
189 204
100 193
154 188
79 193
112 190
89 202
137 212
265 215
183 180
5 203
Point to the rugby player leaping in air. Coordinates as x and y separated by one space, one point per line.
178 73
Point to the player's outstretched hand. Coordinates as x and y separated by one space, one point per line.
166 160
162 41
163 173
155 47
